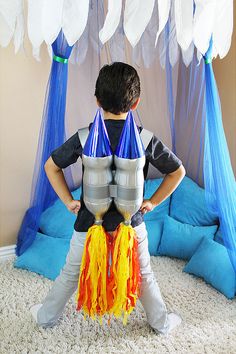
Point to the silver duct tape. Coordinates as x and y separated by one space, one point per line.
128 194
96 192
113 190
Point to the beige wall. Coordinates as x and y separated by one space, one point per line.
22 89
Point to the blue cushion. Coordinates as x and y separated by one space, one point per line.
57 220
211 262
188 205
219 237
181 240
161 210
154 229
46 256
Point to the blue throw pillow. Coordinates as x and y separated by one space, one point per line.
211 262
219 237
57 220
154 229
181 240
161 210
46 256
188 205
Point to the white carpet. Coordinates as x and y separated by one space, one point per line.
209 319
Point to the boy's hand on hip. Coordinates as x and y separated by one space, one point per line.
73 206
146 206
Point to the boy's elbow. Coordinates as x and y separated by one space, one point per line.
179 173
50 166
182 171
47 165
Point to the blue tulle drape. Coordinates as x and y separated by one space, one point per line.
196 125
219 181
52 135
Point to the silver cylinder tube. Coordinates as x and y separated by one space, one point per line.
96 179
129 180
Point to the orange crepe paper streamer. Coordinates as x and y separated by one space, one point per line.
125 278
92 286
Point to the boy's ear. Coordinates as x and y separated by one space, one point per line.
98 103
135 105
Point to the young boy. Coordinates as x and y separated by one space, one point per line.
117 91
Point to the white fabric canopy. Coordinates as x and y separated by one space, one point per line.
188 27
11 23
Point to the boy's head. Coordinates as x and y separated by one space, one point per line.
117 88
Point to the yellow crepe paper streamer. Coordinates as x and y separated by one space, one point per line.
92 286
125 272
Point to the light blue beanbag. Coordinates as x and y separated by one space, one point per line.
161 210
57 221
46 256
181 240
211 262
188 205
154 229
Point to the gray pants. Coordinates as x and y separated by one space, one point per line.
66 284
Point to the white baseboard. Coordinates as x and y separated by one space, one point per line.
7 252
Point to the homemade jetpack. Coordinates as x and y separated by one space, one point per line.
109 281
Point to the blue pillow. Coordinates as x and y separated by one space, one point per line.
46 256
57 220
219 237
211 262
188 205
181 240
154 229
161 210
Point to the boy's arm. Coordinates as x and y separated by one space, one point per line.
62 157
161 157
166 188
58 182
